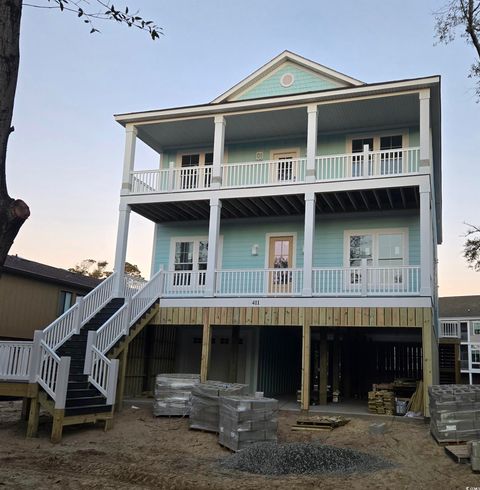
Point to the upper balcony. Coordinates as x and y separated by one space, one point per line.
328 168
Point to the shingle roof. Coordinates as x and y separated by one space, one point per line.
18 265
459 306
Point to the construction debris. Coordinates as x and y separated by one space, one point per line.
245 420
205 414
455 412
416 402
269 458
381 402
173 393
319 423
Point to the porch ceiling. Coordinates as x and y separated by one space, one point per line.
287 205
354 116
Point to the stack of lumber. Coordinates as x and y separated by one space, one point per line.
381 402
319 422
454 412
173 393
205 411
245 420
416 402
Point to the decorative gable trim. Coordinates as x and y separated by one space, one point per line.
275 63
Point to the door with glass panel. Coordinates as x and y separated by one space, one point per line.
190 264
359 167
361 247
285 168
189 172
280 258
391 155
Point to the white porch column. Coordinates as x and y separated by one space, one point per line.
129 158
121 248
424 97
213 239
426 245
308 241
311 142
218 150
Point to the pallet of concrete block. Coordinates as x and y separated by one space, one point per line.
204 414
173 393
454 412
245 420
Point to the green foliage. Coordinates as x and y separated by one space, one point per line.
98 10
98 269
471 248
461 16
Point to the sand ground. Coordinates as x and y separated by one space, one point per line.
146 452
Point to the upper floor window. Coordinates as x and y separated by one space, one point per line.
476 327
476 356
196 170
190 256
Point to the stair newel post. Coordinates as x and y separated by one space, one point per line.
364 278
79 314
91 341
112 381
36 356
127 316
61 385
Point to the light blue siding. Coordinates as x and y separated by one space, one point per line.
240 235
305 80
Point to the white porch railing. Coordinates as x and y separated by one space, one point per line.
366 281
60 330
402 161
271 172
132 285
367 164
450 330
184 283
259 282
15 360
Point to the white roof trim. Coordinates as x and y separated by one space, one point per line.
276 62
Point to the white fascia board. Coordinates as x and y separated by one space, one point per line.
276 62
280 190
345 302
335 95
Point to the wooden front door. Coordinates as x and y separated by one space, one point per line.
280 257
285 169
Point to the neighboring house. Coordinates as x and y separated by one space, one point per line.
32 295
460 325
297 218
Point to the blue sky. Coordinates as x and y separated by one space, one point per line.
65 156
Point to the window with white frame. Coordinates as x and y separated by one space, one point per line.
475 356
190 261
476 327
196 170
380 248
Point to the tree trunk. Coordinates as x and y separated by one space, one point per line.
13 212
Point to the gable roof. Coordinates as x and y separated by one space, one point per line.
23 267
459 307
305 64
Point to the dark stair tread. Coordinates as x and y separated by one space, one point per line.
88 401
82 393
87 410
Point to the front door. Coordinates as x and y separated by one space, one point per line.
285 168
280 258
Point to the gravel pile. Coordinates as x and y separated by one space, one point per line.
269 458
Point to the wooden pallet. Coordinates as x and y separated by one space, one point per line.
459 453
319 423
447 442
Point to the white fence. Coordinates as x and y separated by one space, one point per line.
450 330
184 283
259 282
103 374
367 164
15 360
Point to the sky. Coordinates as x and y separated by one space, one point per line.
65 157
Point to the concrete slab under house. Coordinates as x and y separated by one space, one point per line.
297 218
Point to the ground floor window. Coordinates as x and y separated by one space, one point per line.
66 302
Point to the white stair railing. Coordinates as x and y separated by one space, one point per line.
101 370
15 360
49 370
60 330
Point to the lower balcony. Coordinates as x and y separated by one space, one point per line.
326 282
